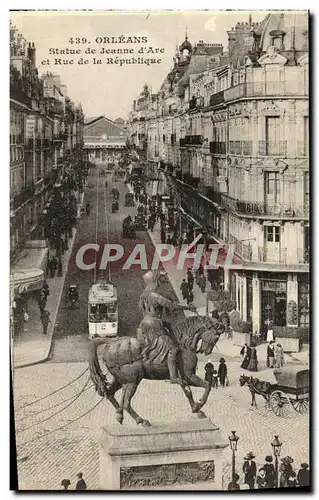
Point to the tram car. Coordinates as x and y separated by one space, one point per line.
102 310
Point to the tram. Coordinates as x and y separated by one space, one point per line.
102 310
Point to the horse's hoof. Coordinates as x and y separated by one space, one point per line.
201 414
146 423
119 418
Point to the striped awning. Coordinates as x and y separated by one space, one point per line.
26 280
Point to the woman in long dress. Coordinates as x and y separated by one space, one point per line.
253 362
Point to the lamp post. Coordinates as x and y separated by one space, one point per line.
233 440
276 446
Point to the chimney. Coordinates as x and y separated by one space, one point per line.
31 53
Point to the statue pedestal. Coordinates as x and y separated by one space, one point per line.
185 455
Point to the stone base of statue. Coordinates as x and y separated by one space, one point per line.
185 455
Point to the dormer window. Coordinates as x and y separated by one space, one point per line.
277 38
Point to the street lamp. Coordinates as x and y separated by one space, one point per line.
233 440
276 446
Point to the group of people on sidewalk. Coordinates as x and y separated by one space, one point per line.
265 477
220 375
275 357
188 283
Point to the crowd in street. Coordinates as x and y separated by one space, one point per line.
265 477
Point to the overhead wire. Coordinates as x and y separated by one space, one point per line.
57 412
53 392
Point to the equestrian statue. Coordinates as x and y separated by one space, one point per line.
159 352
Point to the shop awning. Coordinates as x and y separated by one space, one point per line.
26 280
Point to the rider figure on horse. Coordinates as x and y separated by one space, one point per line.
157 333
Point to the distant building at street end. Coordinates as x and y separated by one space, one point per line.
104 140
230 129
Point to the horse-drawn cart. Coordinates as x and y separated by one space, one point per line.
286 392
290 392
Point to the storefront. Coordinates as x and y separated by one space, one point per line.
273 302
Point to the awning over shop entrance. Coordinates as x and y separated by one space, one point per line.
26 280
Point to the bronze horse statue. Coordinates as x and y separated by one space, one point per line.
256 386
123 359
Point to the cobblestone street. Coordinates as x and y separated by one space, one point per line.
43 463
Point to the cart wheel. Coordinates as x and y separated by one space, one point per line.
301 406
280 404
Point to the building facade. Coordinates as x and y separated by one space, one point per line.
104 141
46 140
230 128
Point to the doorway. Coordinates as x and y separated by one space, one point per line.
274 305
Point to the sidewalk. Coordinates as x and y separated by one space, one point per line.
32 346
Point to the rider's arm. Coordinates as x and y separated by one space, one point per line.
169 304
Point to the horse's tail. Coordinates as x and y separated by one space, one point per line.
97 376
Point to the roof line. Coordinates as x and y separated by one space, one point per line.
106 118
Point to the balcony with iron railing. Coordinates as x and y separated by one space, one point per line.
244 148
269 89
243 249
217 98
217 148
262 208
272 148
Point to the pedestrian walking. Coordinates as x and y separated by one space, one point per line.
42 303
279 356
250 470
202 283
60 268
184 289
65 483
253 361
190 297
81 484
285 470
261 479
270 355
163 236
222 371
270 471
245 354
190 279
215 379
45 289
270 333
303 476
54 266
45 320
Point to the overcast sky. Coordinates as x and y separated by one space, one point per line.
110 89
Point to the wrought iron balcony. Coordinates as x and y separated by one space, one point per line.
217 98
243 249
262 208
283 88
272 148
241 148
217 147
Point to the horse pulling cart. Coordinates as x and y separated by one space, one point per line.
286 393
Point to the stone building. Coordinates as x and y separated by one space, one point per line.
236 125
46 136
104 140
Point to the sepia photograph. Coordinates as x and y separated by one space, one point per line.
159 250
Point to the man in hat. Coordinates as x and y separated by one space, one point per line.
233 485
154 306
65 483
270 471
81 484
286 470
303 475
250 470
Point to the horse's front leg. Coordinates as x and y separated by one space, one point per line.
196 381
